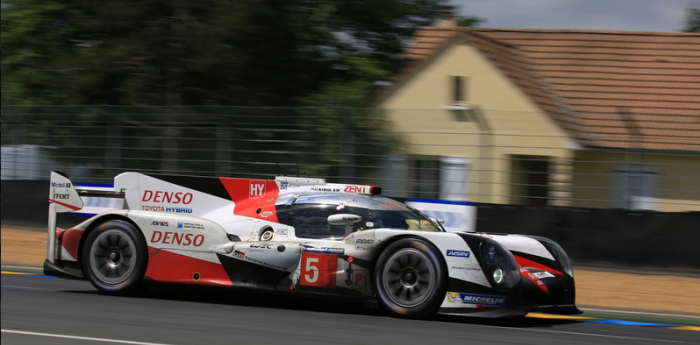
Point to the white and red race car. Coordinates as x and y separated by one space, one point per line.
300 235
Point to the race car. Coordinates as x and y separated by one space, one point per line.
300 235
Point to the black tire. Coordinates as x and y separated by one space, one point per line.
114 258
410 278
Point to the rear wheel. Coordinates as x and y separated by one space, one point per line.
114 257
410 278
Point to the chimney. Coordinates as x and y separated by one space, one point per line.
446 16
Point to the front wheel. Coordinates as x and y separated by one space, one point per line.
114 257
410 278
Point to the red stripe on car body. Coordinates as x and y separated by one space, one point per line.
253 198
74 208
531 264
70 240
531 277
168 267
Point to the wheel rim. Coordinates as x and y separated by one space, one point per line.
409 277
112 256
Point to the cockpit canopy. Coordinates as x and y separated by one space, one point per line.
309 215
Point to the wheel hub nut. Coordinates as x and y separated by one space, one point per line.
115 256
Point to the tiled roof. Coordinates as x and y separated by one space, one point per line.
600 86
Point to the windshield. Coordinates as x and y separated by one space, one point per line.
387 213
309 213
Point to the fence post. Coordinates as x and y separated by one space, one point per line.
346 149
634 157
169 146
113 147
485 152
223 149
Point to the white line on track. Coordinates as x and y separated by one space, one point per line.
591 334
606 336
79 338
17 287
36 269
614 311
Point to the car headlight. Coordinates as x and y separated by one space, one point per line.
498 276
499 265
558 253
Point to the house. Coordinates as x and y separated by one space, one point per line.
587 118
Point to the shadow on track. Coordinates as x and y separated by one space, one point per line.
315 303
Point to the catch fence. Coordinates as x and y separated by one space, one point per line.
410 153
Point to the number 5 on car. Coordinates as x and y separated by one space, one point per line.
318 269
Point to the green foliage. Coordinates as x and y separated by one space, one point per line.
470 21
243 52
324 56
34 32
693 20
345 133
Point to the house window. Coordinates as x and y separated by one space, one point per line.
440 177
635 187
459 90
423 178
530 180
454 177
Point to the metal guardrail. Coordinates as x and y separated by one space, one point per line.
410 159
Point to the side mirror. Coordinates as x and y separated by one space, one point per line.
438 220
343 219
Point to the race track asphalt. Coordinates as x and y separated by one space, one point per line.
46 310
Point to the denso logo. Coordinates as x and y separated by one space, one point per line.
166 197
179 238
157 223
257 189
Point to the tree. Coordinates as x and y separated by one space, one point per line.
693 19
326 56
244 52
34 32
363 138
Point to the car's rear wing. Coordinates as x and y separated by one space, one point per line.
65 196
320 185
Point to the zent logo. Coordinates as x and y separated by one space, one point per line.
354 189
257 189
157 223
